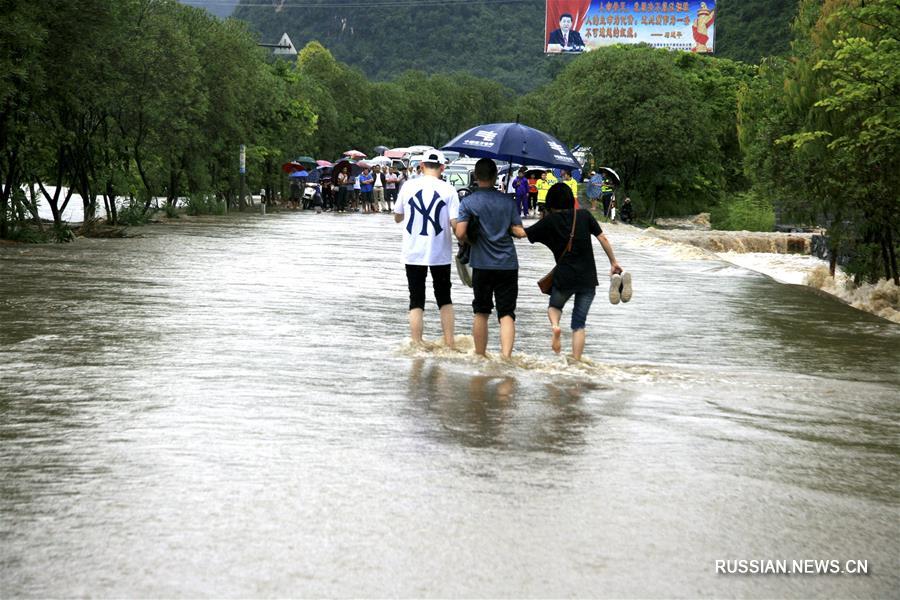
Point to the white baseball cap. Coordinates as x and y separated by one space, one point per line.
434 156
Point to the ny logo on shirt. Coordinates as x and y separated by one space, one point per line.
436 203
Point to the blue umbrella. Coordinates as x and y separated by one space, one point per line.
576 174
299 174
514 143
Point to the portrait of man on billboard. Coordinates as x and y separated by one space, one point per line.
565 39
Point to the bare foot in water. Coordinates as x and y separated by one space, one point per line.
556 343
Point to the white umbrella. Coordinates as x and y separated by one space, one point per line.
380 160
609 171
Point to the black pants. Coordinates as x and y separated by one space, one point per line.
343 198
607 200
390 196
440 281
489 284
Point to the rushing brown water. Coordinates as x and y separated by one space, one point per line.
229 408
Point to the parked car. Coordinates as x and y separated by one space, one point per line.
461 179
461 174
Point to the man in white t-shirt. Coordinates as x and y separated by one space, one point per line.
428 208
378 189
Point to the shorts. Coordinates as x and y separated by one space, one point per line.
583 300
440 281
502 285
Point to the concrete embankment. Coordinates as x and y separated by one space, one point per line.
785 257
739 241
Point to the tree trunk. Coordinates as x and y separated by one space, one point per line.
53 200
885 256
653 203
112 211
143 174
4 202
895 275
88 202
33 208
18 208
173 187
6 191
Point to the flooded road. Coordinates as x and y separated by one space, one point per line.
229 408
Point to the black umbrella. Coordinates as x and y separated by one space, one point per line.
340 165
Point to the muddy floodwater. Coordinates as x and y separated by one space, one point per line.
229 408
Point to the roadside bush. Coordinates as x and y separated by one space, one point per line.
62 234
204 205
27 234
133 213
743 212
171 211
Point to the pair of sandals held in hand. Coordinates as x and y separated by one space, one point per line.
620 287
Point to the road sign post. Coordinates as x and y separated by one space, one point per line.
243 176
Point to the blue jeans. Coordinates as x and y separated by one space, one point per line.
583 299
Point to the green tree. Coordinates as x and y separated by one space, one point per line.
844 128
862 75
23 36
343 90
664 120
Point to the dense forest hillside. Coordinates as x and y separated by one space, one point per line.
499 40
220 8
749 30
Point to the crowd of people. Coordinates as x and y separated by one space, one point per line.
530 188
372 190
375 190
486 223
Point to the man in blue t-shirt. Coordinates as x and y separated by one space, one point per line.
495 266
365 188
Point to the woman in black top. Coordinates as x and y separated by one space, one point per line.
576 272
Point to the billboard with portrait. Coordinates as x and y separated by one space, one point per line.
582 25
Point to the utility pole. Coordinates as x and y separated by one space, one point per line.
284 47
241 194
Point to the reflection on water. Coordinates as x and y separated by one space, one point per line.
492 411
228 407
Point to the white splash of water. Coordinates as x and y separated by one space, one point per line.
674 249
881 298
784 268
550 367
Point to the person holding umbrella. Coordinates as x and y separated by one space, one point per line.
606 192
294 201
345 186
495 266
